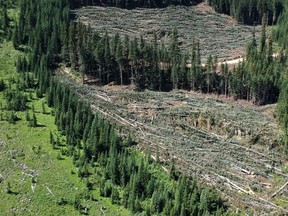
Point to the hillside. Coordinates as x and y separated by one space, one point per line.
96 119
35 177
219 35
231 145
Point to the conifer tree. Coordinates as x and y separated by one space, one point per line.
72 45
119 59
34 120
174 47
263 34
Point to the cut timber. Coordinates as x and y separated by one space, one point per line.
197 150
275 206
234 185
247 172
49 191
279 190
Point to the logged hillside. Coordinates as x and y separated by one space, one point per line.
219 35
231 146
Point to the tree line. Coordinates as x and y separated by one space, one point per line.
249 11
5 20
280 33
246 11
17 92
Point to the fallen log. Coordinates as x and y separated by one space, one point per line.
279 190
49 191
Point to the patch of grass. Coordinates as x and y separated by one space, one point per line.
33 181
8 57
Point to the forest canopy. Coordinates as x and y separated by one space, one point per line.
249 11
280 31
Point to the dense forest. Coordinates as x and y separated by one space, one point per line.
249 11
280 31
5 26
280 34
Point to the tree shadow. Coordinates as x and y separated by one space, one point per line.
40 126
13 192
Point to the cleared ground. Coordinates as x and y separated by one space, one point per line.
218 34
224 143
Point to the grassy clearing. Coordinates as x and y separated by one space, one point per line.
27 160
8 57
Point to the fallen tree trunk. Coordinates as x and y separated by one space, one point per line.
279 190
